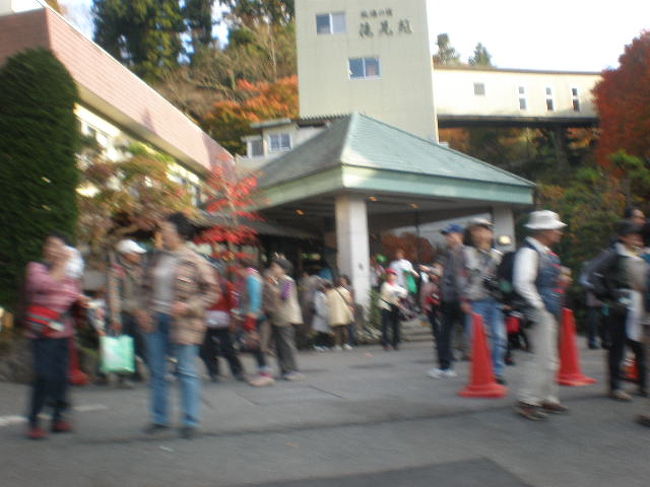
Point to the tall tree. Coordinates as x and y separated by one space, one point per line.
198 16
253 12
446 54
39 137
142 34
481 56
623 102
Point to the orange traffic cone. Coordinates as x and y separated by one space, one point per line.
570 373
631 370
76 376
482 383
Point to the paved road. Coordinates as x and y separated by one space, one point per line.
360 418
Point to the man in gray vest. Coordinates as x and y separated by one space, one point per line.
536 278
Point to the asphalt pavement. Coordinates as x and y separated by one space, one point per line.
359 418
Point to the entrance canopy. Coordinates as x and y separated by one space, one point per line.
360 175
399 174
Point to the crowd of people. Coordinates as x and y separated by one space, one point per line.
178 306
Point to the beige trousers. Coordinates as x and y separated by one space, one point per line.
540 368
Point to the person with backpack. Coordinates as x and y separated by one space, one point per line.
537 281
481 288
618 277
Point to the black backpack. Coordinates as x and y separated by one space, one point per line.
508 296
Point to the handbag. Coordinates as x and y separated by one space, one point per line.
43 321
117 354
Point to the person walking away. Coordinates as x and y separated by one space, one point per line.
250 310
124 282
320 320
390 295
619 280
536 278
341 314
481 290
453 265
218 340
285 317
50 294
178 287
430 299
357 313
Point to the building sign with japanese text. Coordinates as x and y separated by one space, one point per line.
382 22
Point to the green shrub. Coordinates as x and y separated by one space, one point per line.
39 137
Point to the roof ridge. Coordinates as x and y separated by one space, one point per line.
440 146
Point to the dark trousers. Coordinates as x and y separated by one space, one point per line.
595 327
218 342
434 321
451 314
390 322
618 339
50 377
283 338
130 328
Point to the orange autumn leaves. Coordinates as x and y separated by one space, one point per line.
229 120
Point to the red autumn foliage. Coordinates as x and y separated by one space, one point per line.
623 101
229 200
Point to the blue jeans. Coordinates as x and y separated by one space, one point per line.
158 347
495 329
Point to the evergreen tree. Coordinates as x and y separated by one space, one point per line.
446 54
142 34
198 17
481 56
39 137
254 12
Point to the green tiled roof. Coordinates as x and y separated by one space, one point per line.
361 141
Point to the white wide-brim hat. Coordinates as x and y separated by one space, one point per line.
128 246
544 220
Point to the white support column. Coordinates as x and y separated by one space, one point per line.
504 226
352 244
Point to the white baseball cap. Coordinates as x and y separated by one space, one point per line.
128 246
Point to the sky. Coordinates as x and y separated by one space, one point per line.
565 35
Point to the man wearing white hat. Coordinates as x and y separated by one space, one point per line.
124 281
536 276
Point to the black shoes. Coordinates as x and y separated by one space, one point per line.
155 428
187 432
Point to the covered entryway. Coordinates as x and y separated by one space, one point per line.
361 175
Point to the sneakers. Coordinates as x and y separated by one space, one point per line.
187 432
61 426
155 428
347 347
338 348
500 380
620 395
530 412
440 373
643 420
293 376
554 408
261 380
36 433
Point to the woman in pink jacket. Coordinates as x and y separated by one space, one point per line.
51 291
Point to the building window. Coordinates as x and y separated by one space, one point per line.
550 106
256 148
479 89
575 98
279 142
333 23
363 67
521 93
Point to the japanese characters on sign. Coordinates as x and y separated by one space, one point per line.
382 23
